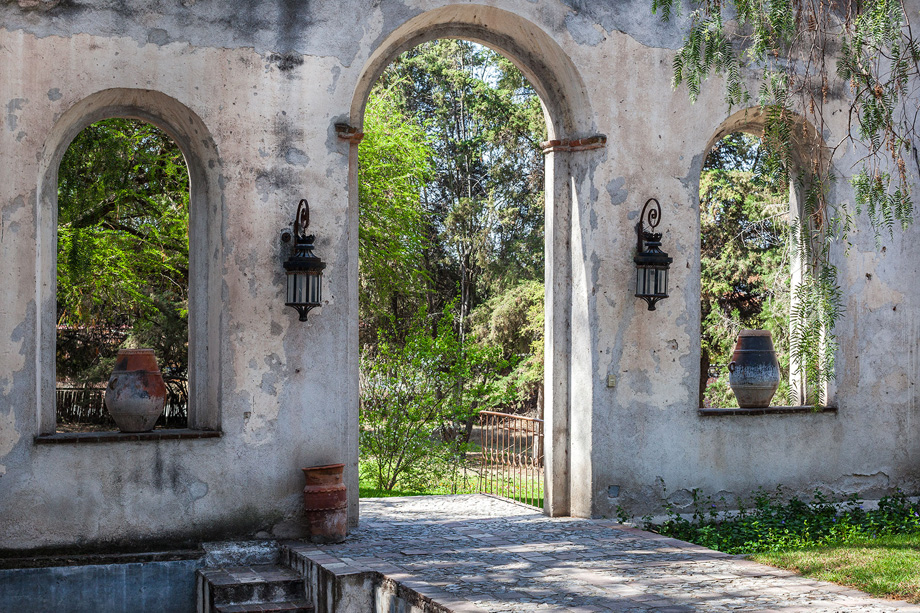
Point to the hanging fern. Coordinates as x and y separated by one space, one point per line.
789 42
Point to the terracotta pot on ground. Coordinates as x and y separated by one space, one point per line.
136 393
325 503
754 370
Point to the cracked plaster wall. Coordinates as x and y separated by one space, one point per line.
269 80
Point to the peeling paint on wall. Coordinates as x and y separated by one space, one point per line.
9 436
13 107
636 20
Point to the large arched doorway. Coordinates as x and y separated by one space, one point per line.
571 129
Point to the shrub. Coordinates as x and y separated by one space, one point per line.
773 522
419 398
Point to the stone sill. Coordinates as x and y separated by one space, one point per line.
71 438
764 411
95 559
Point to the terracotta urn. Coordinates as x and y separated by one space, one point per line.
325 503
754 370
136 393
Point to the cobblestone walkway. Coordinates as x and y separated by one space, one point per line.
478 553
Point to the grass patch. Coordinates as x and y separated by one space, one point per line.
887 566
432 482
368 490
429 480
877 550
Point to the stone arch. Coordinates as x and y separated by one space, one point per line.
571 129
806 140
752 121
189 132
544 63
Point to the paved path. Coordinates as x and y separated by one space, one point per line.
478 553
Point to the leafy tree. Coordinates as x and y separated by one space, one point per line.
122 271
740 151
512 321
485 202
394 167
419 396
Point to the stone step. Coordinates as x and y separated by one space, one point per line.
288 606
263 585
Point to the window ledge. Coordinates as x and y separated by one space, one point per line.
764 411
71 438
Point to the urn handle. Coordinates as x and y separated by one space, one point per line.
731 366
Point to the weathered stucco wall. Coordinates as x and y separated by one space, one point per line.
252 92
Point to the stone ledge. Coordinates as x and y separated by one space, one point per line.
96 559
334 582
71 438
764 411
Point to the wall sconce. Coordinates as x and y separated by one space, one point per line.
304 269
651 263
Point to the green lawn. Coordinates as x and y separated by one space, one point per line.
428 483
464 482
888 566
367 490
876 550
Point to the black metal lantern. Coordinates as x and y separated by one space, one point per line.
652 263
304 269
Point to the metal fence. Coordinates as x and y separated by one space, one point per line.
512 451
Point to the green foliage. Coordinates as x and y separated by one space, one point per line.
787 41
879 57
122 249
484 205
817 305
512 322
419 397
394 167
773 522
451 208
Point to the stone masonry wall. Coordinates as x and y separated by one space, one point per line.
252 92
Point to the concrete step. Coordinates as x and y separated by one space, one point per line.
288 606
262 585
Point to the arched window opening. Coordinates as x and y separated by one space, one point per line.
451 271
745 262
122 267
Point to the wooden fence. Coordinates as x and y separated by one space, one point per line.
85 406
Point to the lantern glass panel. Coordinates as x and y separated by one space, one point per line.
291 288
314 289
661 288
